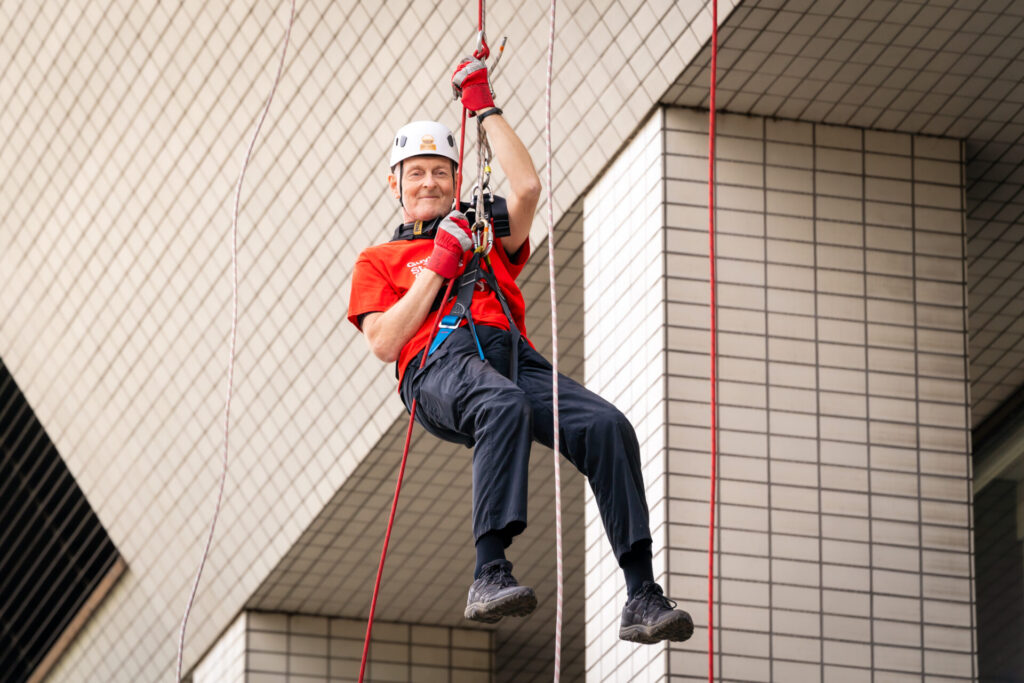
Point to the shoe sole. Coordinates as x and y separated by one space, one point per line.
676 627
517 604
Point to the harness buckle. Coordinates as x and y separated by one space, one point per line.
449 322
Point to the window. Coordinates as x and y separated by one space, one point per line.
56 559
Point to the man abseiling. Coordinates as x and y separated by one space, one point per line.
485 386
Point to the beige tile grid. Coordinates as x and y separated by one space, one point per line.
123 131
226 660
932 67
283 648
841 318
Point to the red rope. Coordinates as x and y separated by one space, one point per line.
412 408
462 146
714 345
398 489
481 51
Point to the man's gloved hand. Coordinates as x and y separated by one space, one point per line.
453 239
470 83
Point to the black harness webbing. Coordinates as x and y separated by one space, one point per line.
495 207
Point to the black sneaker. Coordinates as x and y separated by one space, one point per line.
497 594
650 617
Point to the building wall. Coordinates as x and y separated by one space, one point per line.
841 287
624 335
274 647
844 548
124 126
226 660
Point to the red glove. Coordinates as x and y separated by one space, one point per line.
453 239
470 83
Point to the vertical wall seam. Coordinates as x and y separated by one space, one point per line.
975 672
867 405
666 446
767 400
817 405
917 394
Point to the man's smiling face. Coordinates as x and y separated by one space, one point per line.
427 187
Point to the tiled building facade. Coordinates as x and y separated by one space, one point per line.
844 543
869 280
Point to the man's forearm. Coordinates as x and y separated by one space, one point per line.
513 156
523 181
389 331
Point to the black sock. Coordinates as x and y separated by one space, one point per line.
489 547
636 565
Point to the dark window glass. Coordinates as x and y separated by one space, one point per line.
53 550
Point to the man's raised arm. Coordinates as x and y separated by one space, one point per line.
470 83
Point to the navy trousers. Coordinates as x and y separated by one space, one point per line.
463 399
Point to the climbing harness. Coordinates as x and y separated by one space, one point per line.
495 208
483 242
495 213
234 330
714 343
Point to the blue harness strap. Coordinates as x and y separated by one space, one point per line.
464 299
449 324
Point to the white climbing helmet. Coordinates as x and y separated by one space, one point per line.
421 138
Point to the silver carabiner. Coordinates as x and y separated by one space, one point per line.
482 52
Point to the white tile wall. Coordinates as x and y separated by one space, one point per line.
226 660
929 67
844 544
624 323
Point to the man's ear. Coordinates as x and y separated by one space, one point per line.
393 184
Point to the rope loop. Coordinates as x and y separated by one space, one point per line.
482 51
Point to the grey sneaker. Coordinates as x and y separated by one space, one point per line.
650 617
497 594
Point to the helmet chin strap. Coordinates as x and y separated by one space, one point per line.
455 198
401 165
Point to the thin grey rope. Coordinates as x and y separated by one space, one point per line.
231 352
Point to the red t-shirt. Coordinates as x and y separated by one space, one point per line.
385 272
